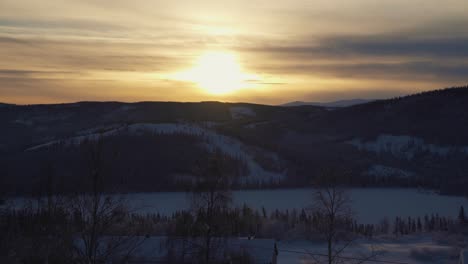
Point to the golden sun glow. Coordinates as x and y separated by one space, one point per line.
217 73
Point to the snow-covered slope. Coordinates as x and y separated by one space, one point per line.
404 146
238 112
385 171
212 141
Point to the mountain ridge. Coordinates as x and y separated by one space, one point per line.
414 140
332 104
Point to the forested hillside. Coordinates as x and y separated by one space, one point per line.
416 140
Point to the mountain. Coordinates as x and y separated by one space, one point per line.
413 141
334 104
5 105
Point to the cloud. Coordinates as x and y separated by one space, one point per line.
390 45
80 49
370 46
28 73
70 24
415 70
86 55
12 40
416 54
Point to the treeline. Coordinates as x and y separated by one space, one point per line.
51 231
301 224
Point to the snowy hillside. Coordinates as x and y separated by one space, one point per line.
385 171
212 141
414 141
238 112
405 146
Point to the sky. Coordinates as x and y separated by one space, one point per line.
259 51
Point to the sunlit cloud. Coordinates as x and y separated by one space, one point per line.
274 51
217 73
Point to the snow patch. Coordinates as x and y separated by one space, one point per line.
385 171
410 250
23 122
75 140
255 125
239 112
404 146
98 130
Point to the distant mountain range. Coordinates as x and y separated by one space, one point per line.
340 103
418 140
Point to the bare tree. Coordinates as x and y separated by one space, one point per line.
54 239
6 232
101 218
210 199
332 207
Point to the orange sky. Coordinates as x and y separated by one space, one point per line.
68 50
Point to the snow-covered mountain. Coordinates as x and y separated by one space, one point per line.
417 140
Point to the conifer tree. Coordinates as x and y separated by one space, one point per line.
461 215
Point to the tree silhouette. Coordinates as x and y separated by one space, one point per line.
461 215
211 199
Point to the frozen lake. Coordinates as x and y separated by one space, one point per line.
370 205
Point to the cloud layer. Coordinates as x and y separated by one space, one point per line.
58 51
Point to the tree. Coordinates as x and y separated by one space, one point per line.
419 225
99 217
385 226
332 204
7 235
54 235
211 199
461 215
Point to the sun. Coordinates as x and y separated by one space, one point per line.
217 73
